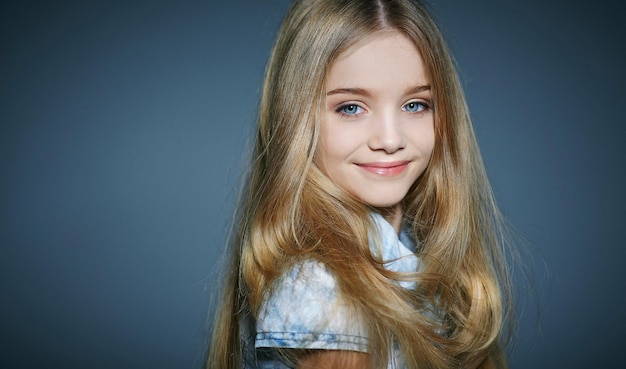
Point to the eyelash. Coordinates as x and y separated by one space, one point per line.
425 106
341 109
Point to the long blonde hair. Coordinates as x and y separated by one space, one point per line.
290 211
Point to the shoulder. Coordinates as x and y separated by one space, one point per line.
304 292
305 310
308 279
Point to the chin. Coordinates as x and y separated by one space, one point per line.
386 203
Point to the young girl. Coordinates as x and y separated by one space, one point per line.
367 235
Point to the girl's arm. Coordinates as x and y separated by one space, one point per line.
334 359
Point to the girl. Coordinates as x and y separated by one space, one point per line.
367 235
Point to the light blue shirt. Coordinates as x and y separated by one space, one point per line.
305 311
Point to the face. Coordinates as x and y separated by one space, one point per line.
377 134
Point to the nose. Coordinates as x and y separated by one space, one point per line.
387 135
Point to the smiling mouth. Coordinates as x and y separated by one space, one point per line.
385 169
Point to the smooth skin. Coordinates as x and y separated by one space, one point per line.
377 135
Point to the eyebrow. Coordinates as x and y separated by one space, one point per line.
366 93
349 91
416 89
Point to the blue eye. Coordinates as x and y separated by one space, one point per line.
415 107
350 109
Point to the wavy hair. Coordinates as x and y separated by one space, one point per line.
290 211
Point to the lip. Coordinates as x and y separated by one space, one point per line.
385 169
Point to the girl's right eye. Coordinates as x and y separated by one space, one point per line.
350 110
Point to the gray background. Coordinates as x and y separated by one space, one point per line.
122 132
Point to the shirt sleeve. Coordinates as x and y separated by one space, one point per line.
304 311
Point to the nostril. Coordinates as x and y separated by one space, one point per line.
388 138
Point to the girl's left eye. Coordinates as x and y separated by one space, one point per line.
415 107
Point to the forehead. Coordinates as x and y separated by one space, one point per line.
372 37
380 57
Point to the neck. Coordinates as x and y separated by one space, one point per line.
393 215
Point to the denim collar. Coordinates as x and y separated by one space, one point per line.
397 253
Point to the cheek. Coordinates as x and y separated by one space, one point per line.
330 144
429 143
335 150
323 155
423 139
327 158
